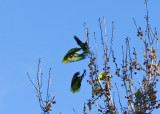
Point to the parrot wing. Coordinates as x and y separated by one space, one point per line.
76 57
79 42
100 77
84 46
73 51
70 54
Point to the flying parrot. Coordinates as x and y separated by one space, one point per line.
73 55
84 46
76 82
101 77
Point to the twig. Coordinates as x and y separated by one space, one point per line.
119 97
111 39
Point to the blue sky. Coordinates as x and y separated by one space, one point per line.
32 29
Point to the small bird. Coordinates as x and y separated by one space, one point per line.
84 46
102 77
76 82
73 55
138 95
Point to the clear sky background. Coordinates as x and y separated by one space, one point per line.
32 29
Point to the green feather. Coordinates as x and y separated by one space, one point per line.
73 51
72 55
76 82
138 95
79 42
73 58
101 77
84 46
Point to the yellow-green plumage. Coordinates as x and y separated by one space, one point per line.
73 55
102 77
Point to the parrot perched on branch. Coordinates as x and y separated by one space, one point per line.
138 95
84 46
73 56
101 77
76 82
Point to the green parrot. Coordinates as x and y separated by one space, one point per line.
73 55
84 46
138 95
76 82
101 77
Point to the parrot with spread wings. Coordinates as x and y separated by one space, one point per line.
84 46
73 55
